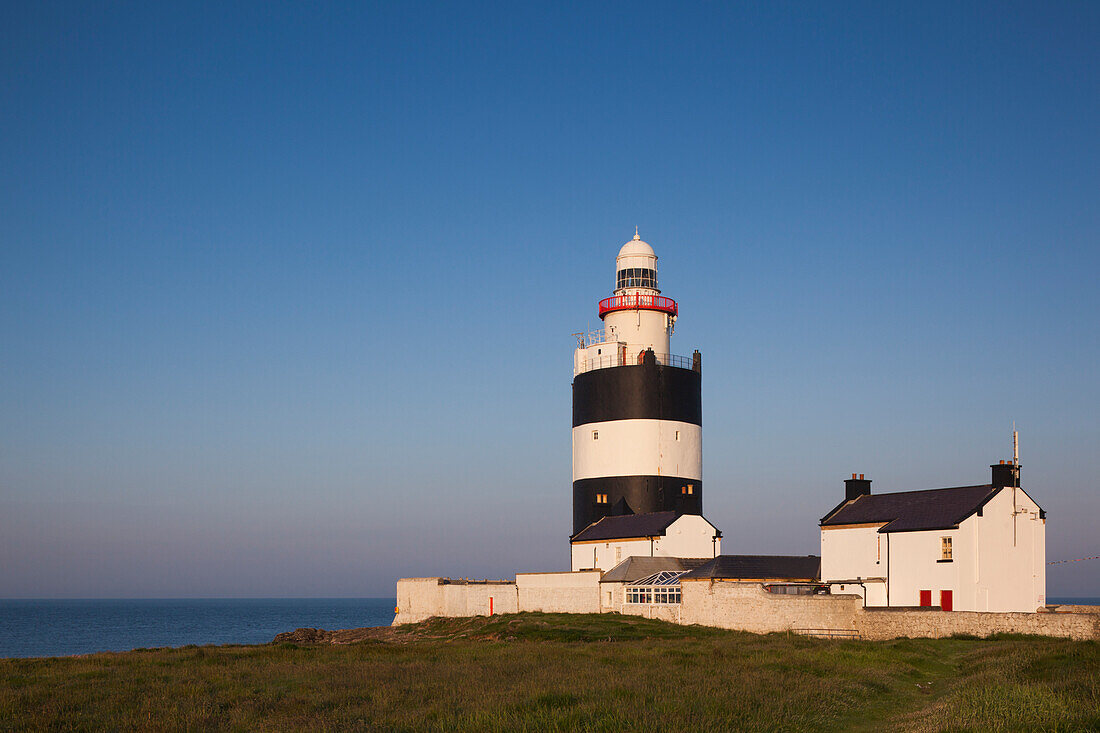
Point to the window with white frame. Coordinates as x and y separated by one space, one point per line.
661 588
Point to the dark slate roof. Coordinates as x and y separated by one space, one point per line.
652 524
758 567
635 567
906 511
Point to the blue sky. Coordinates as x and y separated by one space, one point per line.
286 291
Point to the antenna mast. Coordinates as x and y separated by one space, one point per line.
1015 445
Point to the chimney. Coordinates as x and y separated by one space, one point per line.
1006 473
856 487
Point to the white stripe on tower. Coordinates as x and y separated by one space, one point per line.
638 448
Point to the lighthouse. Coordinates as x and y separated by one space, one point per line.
637 407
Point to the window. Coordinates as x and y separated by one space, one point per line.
636 277
595 435
689 489
677 435
601 498
662 587
618 555
945 549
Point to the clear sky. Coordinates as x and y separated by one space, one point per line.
287 289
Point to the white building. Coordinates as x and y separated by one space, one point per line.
970 548
608 541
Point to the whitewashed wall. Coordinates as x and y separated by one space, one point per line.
606 555
640 329
559 592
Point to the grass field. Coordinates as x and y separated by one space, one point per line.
534 672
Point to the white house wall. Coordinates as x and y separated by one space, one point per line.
689 536
913 567
854 553
606 555
1010 572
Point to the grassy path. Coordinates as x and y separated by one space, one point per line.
539 672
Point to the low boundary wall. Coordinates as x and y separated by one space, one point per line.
740 606
748 607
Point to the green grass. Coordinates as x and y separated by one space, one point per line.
534 672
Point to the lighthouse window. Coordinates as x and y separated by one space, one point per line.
636 277
601 498
677 435
595 435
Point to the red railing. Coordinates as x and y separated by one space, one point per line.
638 301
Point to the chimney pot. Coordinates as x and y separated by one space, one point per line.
861 477
853 475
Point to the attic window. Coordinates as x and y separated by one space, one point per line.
945 549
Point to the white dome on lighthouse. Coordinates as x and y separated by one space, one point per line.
636 265
636 247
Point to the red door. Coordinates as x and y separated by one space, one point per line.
945 600
926 598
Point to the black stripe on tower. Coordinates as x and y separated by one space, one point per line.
644 391
634 495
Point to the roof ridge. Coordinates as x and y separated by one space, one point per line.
922 491
766 556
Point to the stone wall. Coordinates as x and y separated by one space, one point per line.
748 607
724 604
576 592
422 598
882 623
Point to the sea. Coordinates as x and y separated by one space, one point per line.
53 628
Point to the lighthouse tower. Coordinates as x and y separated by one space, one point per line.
637 408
